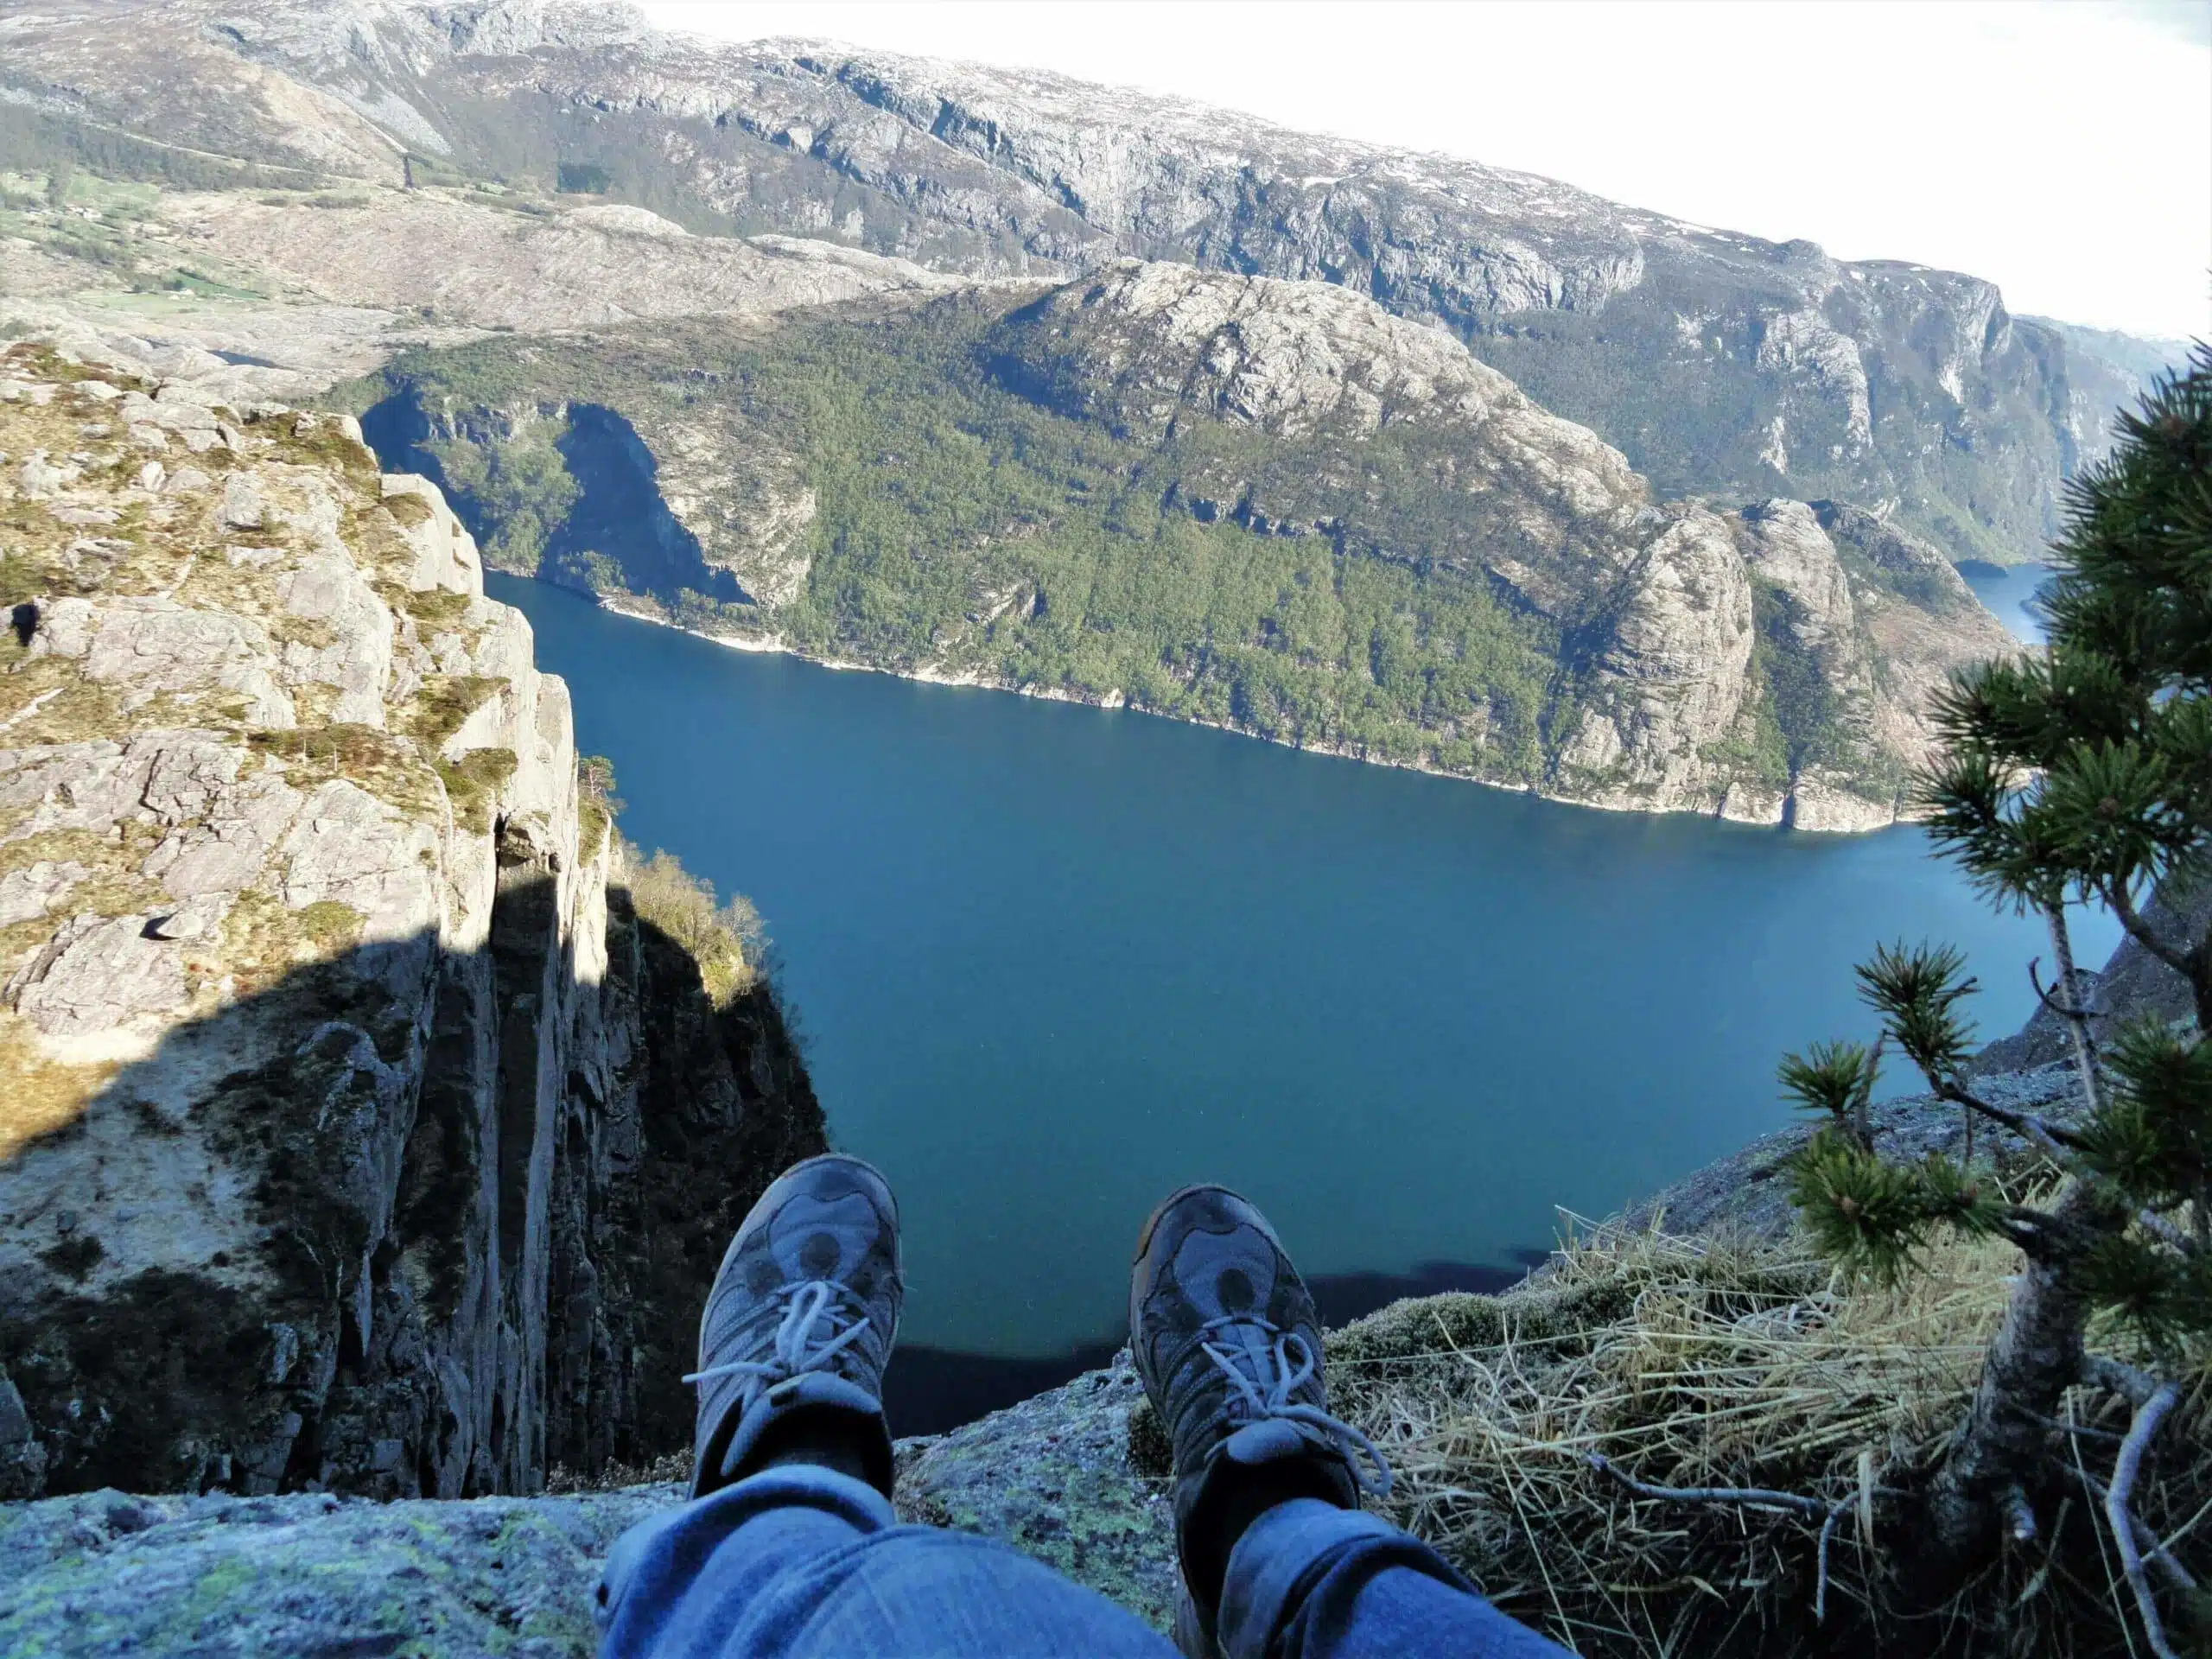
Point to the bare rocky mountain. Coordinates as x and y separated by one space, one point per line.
351 1118
1416 562
1576 440
1715 362
1657 602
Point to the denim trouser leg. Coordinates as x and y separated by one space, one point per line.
1308 1580
804 1563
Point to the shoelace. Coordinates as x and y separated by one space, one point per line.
1267 1392
797 1350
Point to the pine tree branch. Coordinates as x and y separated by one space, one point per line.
2024 1226
2046 1135
1750 1497
2181 961
2165 1232
2073 1011
1754 1495
1821 1557
1862 1108
2020 1516
2064 1427
2155 1552
2111 1375
2050 998
2123 1471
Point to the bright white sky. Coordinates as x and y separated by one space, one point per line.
2061 148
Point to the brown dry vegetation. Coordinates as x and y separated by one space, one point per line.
1696 1363
612 1476
446 701
39 1095
473 784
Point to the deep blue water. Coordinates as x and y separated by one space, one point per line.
1052 962
2007 592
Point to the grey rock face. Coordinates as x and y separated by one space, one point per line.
1140 344
2133 984
104 1572
33 890
97 973
1053 1477
338 1094
1669 672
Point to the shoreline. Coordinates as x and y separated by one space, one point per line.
1117 703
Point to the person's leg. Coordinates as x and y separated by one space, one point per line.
800 1562
1277 1558
790 1546
1310 1580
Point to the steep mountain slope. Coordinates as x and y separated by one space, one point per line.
1268 505
1715 362
351 1118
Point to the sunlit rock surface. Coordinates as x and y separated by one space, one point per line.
351 1137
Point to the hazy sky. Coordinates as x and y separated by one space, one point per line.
2061 148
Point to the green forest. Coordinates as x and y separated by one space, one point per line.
943 497
970 528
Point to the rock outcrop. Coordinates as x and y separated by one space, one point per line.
106 1572
2033 1070
1714 661
352 1119
1715 362
308 1574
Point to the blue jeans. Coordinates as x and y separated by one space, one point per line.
799 1562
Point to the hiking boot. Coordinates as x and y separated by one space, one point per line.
1225 1337
801 1320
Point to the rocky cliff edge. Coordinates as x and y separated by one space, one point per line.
340 1096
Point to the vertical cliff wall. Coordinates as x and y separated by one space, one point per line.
355 1132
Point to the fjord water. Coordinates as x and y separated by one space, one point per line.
1052 962
2008 590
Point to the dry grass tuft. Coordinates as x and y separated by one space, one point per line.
1689 1363
41 1096
473 784
409 511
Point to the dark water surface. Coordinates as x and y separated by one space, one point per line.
1052 962
2006 590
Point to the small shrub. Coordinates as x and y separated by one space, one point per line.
728 941
473 784
446 701
409 510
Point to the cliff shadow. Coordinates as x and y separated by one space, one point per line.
578 502
401 1221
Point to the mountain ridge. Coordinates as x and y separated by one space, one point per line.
1716 361
1594 574
1267 505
